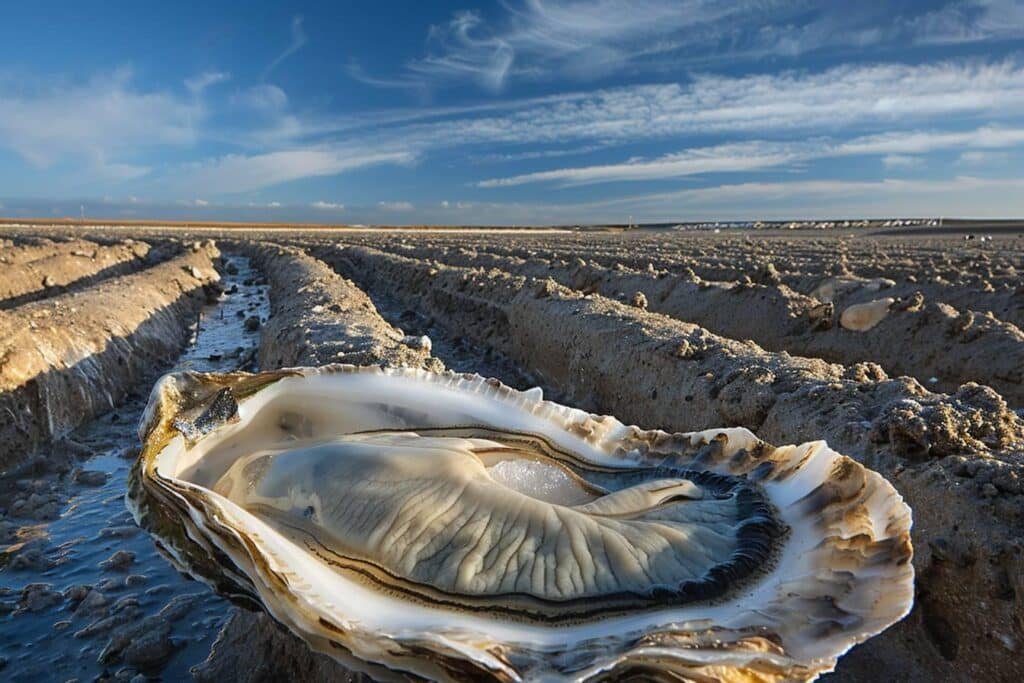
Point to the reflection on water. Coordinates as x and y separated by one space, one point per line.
84 593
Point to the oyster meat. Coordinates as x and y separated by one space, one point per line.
446 526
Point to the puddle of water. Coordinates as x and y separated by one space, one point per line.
94 524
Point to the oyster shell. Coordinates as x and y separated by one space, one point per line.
862 317
447 526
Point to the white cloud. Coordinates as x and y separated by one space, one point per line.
581 39
588 39
969 21
118 171
901 161
411 83
241 173
535 154
828 198
200 82
198 203
899 151
890 97
465 55
919 142
110 125
981 158
296 44
960 196
264 96
721 158
327 206
395 206
100 122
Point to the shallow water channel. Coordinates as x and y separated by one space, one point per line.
84 594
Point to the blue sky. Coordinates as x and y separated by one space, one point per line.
515 112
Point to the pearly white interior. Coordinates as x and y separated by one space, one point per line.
343 403
539 480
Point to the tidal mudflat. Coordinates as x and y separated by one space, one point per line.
902 351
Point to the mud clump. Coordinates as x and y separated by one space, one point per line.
976 418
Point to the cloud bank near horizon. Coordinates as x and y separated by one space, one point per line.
551 112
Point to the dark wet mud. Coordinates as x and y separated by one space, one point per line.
84 593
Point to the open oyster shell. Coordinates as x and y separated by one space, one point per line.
446 526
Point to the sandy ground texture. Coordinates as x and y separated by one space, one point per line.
939 345
22 250
68 266
690 331
67 359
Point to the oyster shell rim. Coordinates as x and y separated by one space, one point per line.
737 448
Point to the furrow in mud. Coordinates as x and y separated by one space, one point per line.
319 317
972 281
797 261
85 593
956 459
935 343
728 257
67 359
71 266
27 249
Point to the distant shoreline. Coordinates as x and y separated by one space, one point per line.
875 226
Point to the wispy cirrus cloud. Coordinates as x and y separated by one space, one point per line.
968 21
580 39
235 173
200 82
746 156
298 41
588 39
837 102
897 151
464 54
108 122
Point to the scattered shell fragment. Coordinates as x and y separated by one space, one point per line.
445 526
834 287
420 343
862 317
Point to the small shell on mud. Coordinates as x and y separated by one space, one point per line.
862 317
836 287
420 343
446 526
